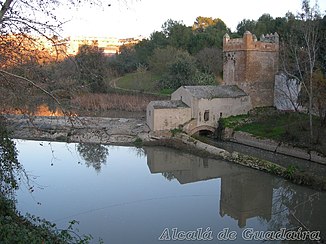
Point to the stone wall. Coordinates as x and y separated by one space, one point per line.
167 118
274 146
252 65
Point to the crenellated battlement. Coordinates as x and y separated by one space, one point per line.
269 42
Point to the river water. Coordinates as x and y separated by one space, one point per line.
130 195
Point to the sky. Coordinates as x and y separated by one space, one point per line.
133 18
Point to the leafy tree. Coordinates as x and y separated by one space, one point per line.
168 26
144 49
180 36
209 35
90 60
201 23
265 25
210 60
162 57
246 25
126 61
180 72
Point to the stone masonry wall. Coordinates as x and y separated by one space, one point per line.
252 65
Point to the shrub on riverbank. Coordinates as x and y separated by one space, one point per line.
15 228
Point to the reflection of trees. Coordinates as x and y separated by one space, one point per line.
94 154
295 207
140 152
168 175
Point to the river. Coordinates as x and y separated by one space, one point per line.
141 195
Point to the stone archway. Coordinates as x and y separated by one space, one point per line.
202 128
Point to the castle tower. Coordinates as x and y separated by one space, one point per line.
251 65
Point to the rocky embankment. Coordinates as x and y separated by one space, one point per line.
78 129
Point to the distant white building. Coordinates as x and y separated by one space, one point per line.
197 108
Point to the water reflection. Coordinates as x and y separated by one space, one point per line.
160 188
245 193
94 154
240 196
35 110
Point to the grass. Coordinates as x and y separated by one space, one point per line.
140 81
263 130
234 121
287 127
146 82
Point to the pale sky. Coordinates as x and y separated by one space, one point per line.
142 17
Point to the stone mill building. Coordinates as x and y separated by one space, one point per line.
249 70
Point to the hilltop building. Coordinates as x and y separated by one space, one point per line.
109 45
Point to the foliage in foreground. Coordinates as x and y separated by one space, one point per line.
15 228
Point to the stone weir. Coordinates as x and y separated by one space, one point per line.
78 129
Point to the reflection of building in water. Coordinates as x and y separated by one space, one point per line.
241 197
187 168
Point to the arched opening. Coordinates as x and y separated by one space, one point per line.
207 133
203 131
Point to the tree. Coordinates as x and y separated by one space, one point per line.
29 25
144 49
178 35
162 57
265 25
127 60
181 72
299 52
90 60
207 33
26 17
202 23
246 25
210 60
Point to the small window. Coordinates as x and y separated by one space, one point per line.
206 115
199 116
149 113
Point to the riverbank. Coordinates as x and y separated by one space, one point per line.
122 131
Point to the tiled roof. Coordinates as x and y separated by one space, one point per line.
168 104
221 91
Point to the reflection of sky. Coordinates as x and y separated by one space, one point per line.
124 202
